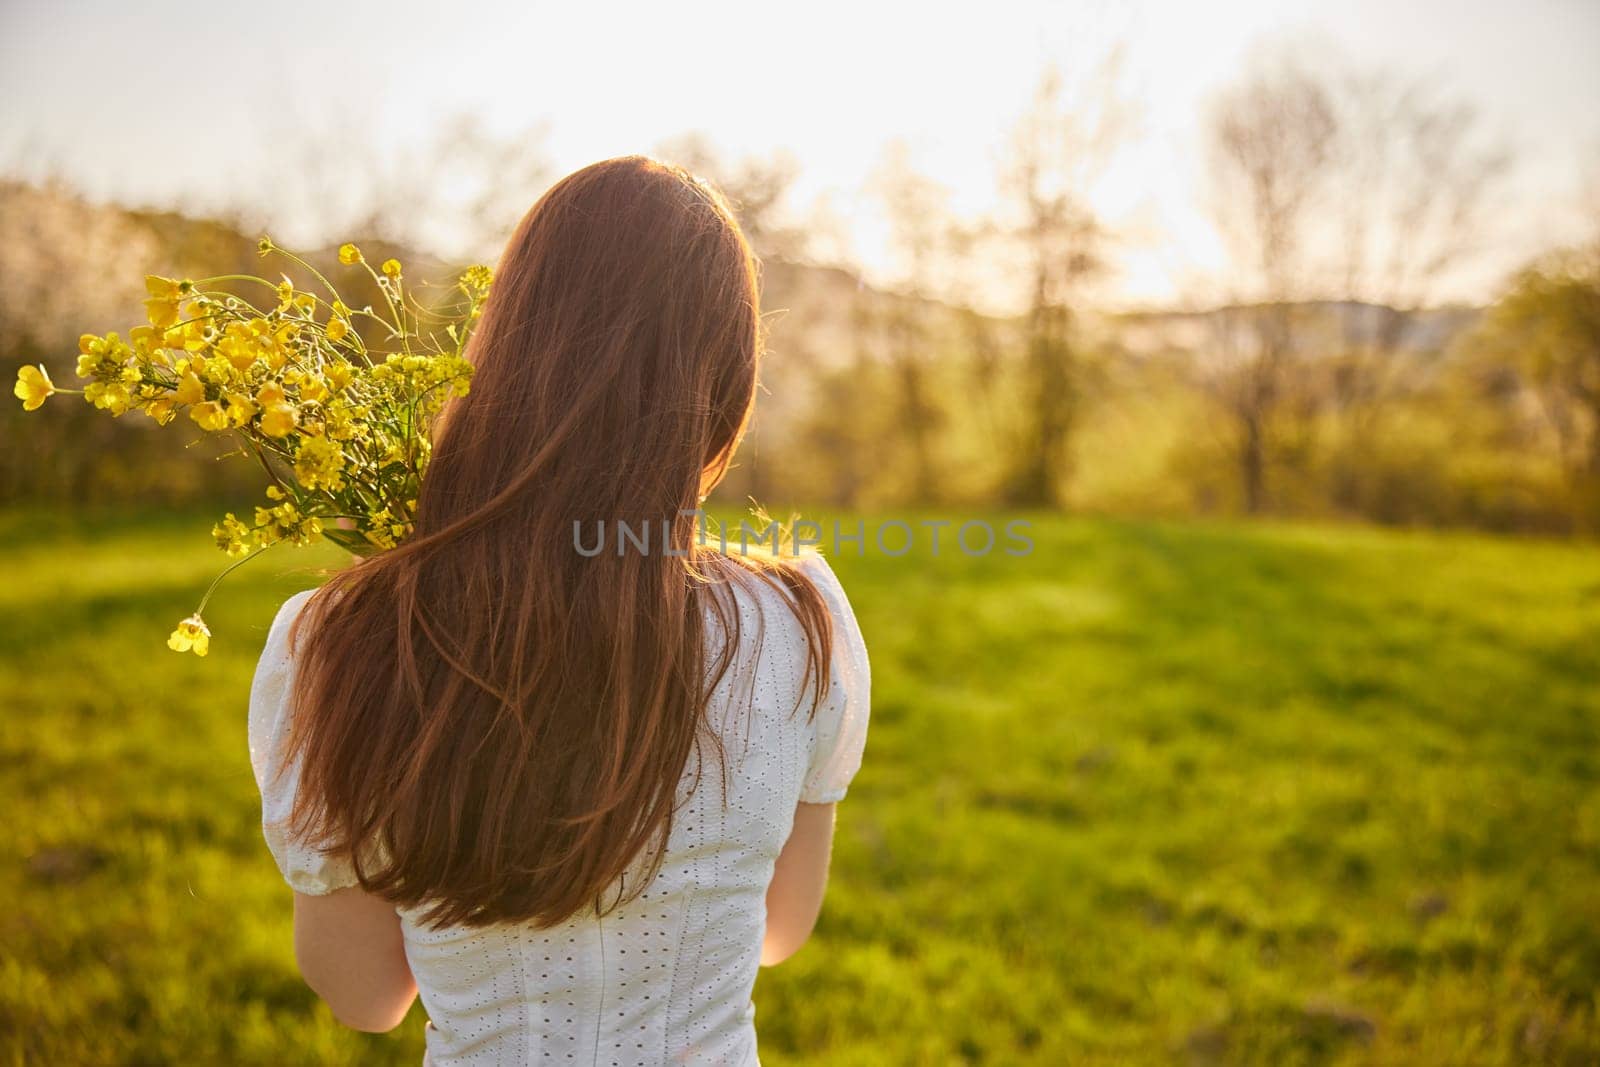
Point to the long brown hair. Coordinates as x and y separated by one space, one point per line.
493 725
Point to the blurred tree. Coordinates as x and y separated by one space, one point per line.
1057 150
980 333
844 422
918 213
457 192
1548 328
1409 175
1270 138
492 181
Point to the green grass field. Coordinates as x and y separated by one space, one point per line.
1155 794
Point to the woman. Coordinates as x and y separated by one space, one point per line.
572 799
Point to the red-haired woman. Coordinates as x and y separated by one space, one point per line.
573 799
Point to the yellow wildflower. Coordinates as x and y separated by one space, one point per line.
318 463
210 416
339 322
286 523
33 385
113 389
192 335
280 366
232 535
278 416
313 390
162 307
191 390
215 371
163 409
279 420
240 409
100 355
113 397
382 529
192 635
339 420
274 342
239 345
149 344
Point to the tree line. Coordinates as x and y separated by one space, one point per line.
1318 372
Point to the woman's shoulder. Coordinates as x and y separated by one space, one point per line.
853 667
770 585
283 621
776 641
840 724
305 868
815 566
273 683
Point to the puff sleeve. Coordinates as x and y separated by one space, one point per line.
840 725
306 869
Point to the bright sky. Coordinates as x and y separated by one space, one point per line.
179 103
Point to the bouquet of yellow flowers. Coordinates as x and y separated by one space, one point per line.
335 403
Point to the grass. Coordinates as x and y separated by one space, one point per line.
1279 794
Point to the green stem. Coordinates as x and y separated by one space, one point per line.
229 569
389 298
314 271
235 278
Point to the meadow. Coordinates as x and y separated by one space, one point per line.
1201 793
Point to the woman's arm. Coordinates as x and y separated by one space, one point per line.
799 880
352 954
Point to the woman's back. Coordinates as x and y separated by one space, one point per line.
666 975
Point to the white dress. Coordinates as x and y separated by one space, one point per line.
666 978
